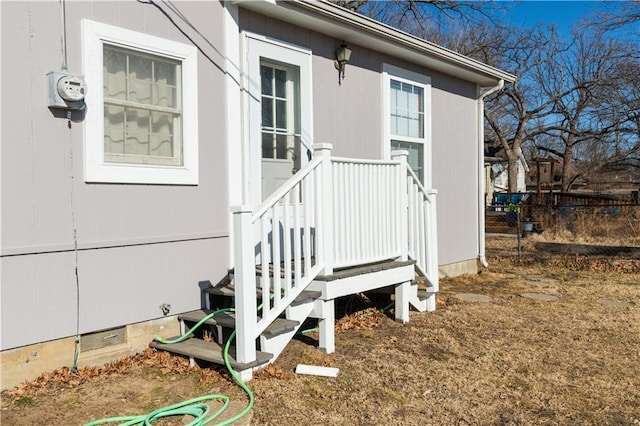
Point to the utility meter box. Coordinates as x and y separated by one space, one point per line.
66 91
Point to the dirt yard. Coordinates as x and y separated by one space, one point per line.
508 361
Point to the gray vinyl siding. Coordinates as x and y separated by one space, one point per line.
350 117
143 245
455 169
139 245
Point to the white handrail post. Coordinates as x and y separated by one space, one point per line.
325 209
403 189
245 285
432 238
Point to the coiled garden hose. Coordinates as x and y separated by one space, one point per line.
195 407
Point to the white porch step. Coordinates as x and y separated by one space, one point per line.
211 352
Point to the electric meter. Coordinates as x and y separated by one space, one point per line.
66 90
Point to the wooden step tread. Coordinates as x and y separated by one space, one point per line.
229 290
221 290
425 294
306 296
211 352
228 320
224 319
364 269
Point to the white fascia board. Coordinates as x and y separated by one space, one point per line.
340 23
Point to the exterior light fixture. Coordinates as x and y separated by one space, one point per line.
343 54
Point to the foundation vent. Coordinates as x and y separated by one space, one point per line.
102 339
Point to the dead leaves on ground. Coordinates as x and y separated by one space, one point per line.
165 363
273 371
366 319
66 378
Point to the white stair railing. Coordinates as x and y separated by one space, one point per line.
335 212
279 249
367 211
422 228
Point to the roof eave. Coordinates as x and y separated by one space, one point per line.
341 23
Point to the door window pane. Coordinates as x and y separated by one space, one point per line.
281 114
266 76
267 112
278 117
267 145
281 83
281 146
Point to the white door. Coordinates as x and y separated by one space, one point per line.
280 127
279 120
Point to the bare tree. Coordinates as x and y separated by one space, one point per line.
576 100
591 125
618 15
428 19
516 115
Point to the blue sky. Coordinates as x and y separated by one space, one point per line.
563 13
528 13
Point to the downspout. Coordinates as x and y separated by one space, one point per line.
481 173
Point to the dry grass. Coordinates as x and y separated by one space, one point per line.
511 361
594 226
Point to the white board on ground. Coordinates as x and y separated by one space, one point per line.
315 370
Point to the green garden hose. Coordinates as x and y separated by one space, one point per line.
195 407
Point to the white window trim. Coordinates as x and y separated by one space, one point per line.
392 72
94 35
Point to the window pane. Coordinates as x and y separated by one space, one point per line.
406 109
395 86
162 134
140 91
281 146
281 83
165 96
140 79
137 141
267 112
114 129
161 146
266 74
281 114
115 78
142 107
114 61
416 156
165 73
267 145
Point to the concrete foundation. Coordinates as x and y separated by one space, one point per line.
28 362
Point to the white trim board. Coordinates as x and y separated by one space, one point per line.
94 36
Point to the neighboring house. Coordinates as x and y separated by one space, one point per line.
496 168
119 211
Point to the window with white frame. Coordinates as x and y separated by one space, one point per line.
407 116
141 124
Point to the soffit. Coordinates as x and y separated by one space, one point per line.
342 24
